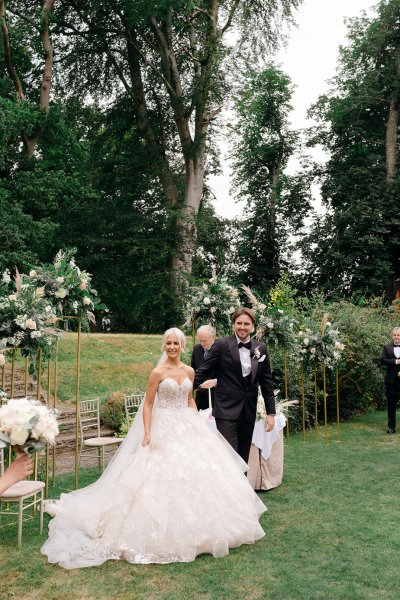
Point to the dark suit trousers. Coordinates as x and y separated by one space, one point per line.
392 395
238 433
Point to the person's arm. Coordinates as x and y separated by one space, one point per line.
267 391
191 402
193 360
18 470
210 366
151 391
386 361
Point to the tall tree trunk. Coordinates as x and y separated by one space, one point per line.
392 127
276 169
391 137
186 222
393 284
31 141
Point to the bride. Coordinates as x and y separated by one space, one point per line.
173 490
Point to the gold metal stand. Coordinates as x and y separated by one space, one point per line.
303 413
78 368
286 389
325 408
316 402
337 404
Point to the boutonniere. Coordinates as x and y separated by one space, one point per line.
256 353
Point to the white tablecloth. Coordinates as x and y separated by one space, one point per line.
264 440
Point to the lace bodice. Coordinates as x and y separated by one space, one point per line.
172 394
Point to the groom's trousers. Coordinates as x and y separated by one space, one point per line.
238 433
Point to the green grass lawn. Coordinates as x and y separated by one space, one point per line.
332 532
109 363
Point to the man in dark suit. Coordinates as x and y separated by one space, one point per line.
391 359
206 336
240 365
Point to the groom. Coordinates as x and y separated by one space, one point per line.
240 365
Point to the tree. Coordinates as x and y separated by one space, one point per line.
275 201
168 58
355 249
38 24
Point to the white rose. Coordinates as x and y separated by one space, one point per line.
36 334
300 333
32 273
313 350
206 301
18 436
262 307
31 324
328 324
270 325
306 341
60 279
12 297
61 293
6 277
86 301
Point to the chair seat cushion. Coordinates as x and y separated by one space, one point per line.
22 488
102 441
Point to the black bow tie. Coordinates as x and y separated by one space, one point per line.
244 345
396 345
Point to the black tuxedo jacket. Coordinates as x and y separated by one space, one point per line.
233 391
196 362
388 359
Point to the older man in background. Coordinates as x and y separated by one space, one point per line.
391 360
206 335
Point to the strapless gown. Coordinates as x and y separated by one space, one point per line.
182 495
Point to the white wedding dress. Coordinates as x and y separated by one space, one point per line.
182 495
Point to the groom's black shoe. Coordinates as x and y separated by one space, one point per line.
391 430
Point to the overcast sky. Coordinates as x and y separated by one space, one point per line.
310 60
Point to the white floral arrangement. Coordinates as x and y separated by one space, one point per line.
68 287
212 303
323 347
280 406
27 318
31 305
274 326
27 424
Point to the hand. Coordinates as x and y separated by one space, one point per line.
146 439
20 469
210 383
269 422
18 451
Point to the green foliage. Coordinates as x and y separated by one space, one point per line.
112 412
354 249
263 143
212 303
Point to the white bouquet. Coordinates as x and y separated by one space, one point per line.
28 424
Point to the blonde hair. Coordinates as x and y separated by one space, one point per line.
179 334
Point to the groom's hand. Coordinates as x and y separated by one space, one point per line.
269 422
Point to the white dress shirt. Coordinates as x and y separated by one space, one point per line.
245 359
396 351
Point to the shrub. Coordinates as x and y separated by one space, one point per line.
112 412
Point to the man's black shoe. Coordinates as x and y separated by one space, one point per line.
390 430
